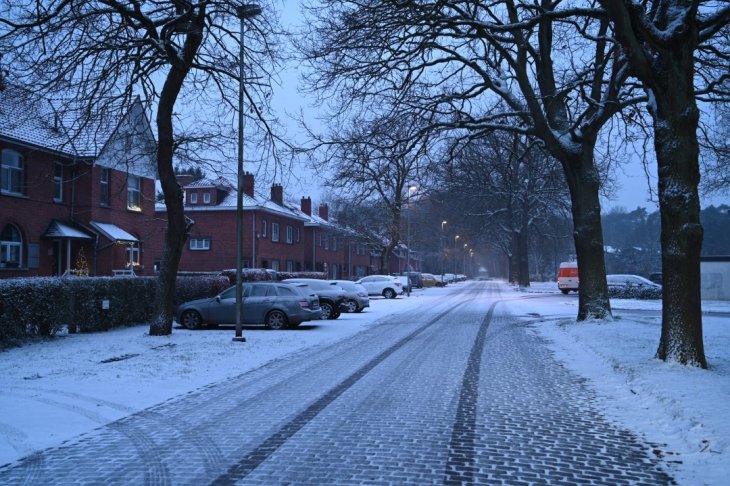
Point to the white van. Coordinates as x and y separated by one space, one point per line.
568 277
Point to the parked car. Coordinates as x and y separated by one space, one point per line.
274 304
449 278
632 286
332 297
404 281
385 285
416 279
428 280
568 278
357 296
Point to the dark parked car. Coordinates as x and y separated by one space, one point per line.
632 287
274 304
357 296
331 296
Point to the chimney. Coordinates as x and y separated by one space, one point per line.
184 179
277 194
248 184
307 206
324 212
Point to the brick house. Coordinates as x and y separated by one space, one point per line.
74 201
277 234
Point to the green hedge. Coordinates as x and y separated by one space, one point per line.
44 306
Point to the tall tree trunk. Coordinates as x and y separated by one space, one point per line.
583 182
676 118
175 234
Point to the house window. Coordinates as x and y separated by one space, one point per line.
206 198
274 263
12 172
193 198
11 247
199 243
334 243
134 193
274 231
299 236
326 242
289 234
58 182
104 187
133 255
289 266
263 228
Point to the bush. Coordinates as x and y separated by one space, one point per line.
44 306
266 274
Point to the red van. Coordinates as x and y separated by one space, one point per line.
568 277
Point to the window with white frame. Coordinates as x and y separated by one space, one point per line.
12 172
134 192
206 198
133 254
263 228
274 231
274 263
326 242
289 234
104 187
199 243
193 198
299 235
11 247
334 243
289 266
58 181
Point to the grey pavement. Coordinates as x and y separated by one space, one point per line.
456 394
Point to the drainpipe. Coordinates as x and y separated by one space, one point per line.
254 238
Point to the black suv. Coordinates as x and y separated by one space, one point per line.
332 297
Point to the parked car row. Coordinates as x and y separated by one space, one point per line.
292 301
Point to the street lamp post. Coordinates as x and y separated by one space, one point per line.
411 190
245 11
464 257
442 250
456 245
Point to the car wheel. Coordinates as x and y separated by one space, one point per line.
360 309
276 320
565 291
389 293
327 310
335 315
351 305
191 319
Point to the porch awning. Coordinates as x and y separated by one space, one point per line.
65 231
113 232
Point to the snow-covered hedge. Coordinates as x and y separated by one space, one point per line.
44 306
634 292
263 274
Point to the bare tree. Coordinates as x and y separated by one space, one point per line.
374 164
507 189
663 40
101 54
465 67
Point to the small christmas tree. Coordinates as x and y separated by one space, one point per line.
82 266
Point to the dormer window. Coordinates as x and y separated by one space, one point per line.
206 198
193 198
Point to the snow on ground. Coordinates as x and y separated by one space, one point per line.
684 411
55 390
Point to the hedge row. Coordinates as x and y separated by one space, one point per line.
260 274
44 306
